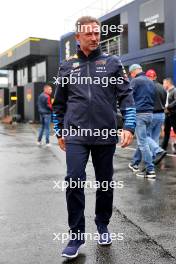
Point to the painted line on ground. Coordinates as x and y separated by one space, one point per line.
129 148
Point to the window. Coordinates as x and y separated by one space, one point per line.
22 76
41 71
34 73
38 72
25 75
10 78
152 23
114 34
124 34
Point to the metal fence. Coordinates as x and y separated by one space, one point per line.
111 46
8 111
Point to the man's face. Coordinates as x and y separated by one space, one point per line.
133 74
89 36
151 78
165 84
48 90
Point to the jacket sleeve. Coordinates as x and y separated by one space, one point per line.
38 104
59 105
126 100
172 106
133 84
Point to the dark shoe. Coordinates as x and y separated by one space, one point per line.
147 174
159 157
72 249
133 167
104 235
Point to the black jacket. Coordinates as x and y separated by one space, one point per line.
160 98
90 105
172 101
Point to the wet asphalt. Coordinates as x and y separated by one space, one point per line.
33 210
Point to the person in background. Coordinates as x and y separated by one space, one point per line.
170 111
144 96
45 111
158 117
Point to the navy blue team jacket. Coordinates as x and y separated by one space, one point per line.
92 105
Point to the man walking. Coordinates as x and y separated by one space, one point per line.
91 106
45 110
158 118
170 110
144 95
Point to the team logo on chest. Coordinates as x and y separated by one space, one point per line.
100 66
75 67
75 64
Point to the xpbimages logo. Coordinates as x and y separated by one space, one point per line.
105 133
73 184
104 81
104 29
63 237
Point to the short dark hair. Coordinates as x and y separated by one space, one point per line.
48 84
169 79
85 20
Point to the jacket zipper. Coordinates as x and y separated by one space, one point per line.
89 93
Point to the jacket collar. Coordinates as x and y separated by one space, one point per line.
92 55
140 74
173 87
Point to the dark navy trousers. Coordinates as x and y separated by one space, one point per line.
77 158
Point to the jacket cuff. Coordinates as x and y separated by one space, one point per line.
129 129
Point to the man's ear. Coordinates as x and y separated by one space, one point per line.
77 37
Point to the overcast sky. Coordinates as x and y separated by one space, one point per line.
20 19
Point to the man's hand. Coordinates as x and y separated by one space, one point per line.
166 110
61 143
126 138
